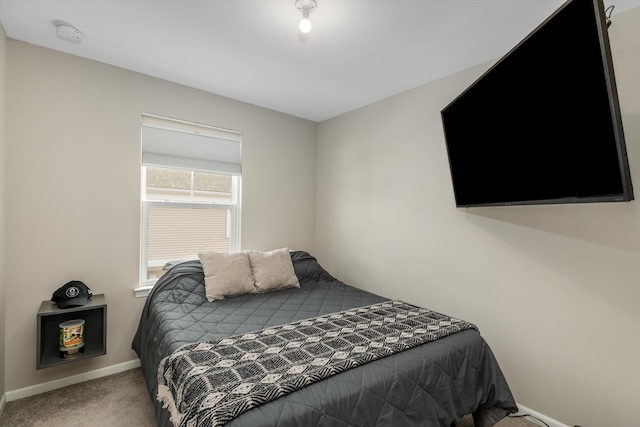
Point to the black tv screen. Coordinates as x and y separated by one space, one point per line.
543 124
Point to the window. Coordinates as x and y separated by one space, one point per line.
191 179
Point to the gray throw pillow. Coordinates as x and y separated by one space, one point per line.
273 270
226 274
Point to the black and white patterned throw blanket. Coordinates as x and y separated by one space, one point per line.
210 383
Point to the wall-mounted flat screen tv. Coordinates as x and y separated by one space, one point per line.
543 124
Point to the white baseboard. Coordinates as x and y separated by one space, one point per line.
70 380
3 400
523 410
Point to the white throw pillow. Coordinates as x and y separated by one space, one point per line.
226 274
273 270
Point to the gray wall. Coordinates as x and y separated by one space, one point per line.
555 290
3 72
73 189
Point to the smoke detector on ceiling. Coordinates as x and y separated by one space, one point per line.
68 32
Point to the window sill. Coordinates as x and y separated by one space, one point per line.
142 291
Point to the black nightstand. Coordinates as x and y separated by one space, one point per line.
94 314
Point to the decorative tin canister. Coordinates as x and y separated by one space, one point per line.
71 338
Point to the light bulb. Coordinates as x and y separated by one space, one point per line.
305 25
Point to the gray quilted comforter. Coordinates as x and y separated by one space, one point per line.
434 384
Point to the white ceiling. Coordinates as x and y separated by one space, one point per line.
358 52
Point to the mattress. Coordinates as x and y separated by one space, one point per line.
434 384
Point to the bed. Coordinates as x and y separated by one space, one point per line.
433 382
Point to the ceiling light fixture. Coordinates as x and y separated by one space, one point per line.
306 6
68 32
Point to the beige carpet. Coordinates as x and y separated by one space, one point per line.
119 400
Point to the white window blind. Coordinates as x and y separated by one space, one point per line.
176 143
178 232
